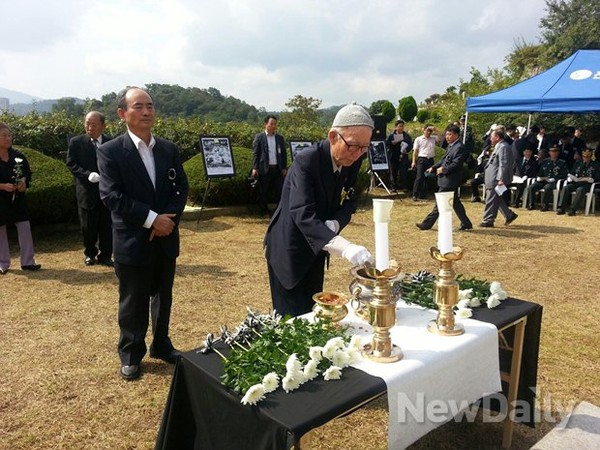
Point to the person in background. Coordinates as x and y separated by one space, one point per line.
449 177
586 172
143 184
528 168
399 144
269 163
316 204
551 170
578 142
423 155
94 218
15 177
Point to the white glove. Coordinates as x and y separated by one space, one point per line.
551 180
479 160
333 225
538 179
94 177
357 255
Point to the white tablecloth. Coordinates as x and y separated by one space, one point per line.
438 376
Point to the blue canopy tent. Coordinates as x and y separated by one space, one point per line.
572 86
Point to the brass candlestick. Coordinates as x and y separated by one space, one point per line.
445 293
382 316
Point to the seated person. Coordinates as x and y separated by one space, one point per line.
584 173
551 170
528 168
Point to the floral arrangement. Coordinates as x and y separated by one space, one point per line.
418 289
17 174
267 352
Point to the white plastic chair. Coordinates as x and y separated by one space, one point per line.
590 199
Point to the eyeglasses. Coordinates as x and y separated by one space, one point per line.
353 148
6 135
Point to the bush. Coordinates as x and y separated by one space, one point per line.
51 197
423 116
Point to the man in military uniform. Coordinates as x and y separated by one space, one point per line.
584 173
528 168
551 170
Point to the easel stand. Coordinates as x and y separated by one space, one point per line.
374 175
203 199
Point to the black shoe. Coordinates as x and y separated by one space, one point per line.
465 228
168 357
560 212
531 208
32 267
487 224
129 372
545 208
475 199
3 271
421 227
106 262
511 219
571 212
89 261
415 199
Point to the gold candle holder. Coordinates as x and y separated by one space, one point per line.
445 293
382 316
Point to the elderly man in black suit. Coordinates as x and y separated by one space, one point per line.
143 184
94 218
269 162
449 176
317 202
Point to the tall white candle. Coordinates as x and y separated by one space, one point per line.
444 203
382 210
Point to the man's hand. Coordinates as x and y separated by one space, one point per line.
439 171
8 187
162 226
254 173
21 186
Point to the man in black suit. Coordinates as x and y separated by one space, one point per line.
94 218
316 203
143 184
449 176
269 162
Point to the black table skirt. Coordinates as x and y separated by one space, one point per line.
201 414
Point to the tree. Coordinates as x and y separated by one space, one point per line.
570 25
385 108
69 105
303 110
407 108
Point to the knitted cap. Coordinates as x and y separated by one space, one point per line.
353 115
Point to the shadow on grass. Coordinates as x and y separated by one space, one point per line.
526 231
184 270
74 277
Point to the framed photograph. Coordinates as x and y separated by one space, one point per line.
378 156
217 156
298 146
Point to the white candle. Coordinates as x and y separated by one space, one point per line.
444 203
382 210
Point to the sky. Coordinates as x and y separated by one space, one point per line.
262 52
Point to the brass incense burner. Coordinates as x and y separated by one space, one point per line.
363 285
382 316
445 293
330 305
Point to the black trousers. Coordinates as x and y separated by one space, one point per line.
271 181
97 232
145 291
458 207
420 181
298 300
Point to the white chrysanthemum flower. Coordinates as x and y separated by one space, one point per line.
293 365
315 353
465 294
338 341
270 382
310 370
340 358
18 160
253 395
289 384
464 303
329 350
493 301
496 288
355 341
353 354
474 302
464 313
333 373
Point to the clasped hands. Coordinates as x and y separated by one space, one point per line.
10 187
162 226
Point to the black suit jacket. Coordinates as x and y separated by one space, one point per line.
128 193
311 195
81 161
260 150
452 163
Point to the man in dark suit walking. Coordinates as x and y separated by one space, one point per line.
94 218
449 176
269 162
143 184
316 204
